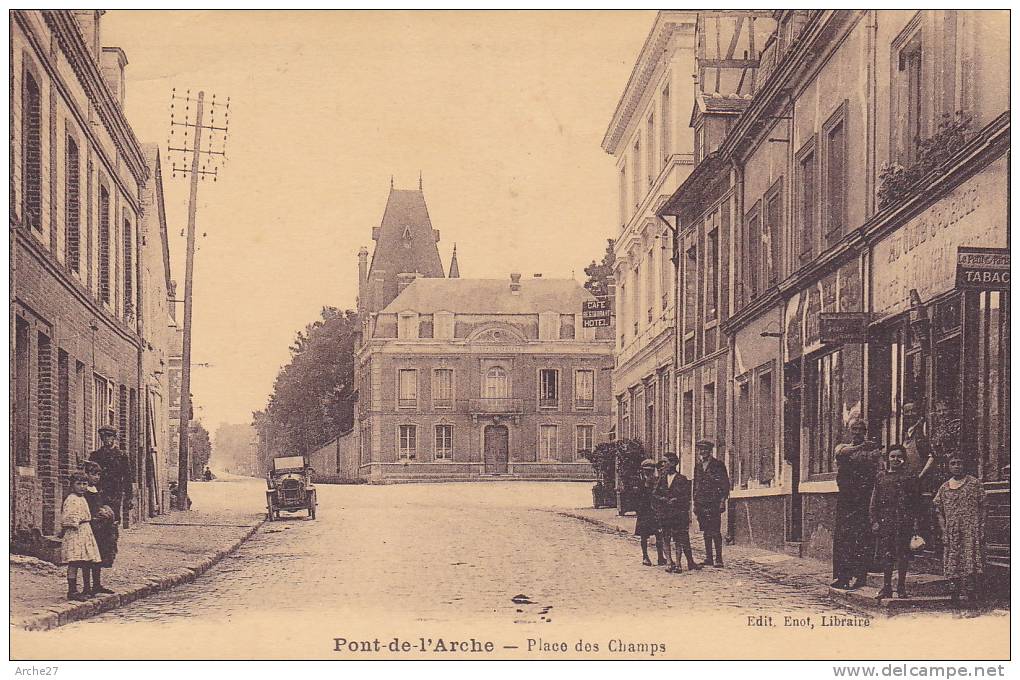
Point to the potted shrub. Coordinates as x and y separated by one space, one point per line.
629 454
603 463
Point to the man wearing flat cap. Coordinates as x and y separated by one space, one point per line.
116 481
671 501
711 489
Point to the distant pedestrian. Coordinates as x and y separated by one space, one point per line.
711 489
78 547
207 475
671 501
646 524
960 504
117 480
893 513
174 492
104 528
856 464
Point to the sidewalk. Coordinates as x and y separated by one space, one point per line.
776 567
157 555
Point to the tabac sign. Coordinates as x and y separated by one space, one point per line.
982 268
839 328
596 313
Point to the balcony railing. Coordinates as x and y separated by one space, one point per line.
407 403
584 403
496 405
548 402
440 402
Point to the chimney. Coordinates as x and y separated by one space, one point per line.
113 62
537 276
88 22
405 279
515 283
362 265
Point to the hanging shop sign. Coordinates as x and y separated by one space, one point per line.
982 268
596 313
843 328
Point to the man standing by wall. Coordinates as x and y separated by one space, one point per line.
851 534
116 481
711 489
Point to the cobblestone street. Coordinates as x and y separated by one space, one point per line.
443 559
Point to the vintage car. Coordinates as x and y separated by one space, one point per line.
290 487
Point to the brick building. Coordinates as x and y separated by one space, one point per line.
467 378
77 312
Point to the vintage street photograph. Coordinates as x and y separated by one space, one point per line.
670 334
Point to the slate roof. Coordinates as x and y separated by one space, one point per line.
405 209
490 296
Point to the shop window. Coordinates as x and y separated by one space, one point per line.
765 424
993 400
825 416
442 388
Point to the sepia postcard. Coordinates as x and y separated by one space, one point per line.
511 335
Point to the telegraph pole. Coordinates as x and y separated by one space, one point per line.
196 171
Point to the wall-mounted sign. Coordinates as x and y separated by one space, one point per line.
982 268
596 313
840 328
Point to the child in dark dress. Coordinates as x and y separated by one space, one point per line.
646 524
894 505
103 528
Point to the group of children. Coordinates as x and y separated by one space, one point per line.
90 534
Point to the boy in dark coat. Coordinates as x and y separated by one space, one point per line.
711 489
104 528
893 513
671 501
647 525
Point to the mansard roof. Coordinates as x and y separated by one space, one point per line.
490 296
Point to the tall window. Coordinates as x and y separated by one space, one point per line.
910 88
32 151
712 275
625 417
742 432
806 201
665 399
665 270
765 416
584 388
687 426
444 325
548 387
407 388
129 287
638 180
547 445
103 407
621 314
72 207
650 283
637 298
825 378
834 183
104 244
666 122
407 437
444 442
585 439
752 253
22 392
407 326
623 197
708 420
690 289
496 385
442 388
650 151
773 233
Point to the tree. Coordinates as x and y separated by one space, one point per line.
599 273
234 446
312 399
199 448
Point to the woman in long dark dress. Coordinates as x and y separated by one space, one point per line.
647 525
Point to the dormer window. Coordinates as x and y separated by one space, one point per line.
407 326
407 237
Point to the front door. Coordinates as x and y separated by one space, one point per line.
497 449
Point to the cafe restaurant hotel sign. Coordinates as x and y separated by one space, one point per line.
982 268
596 313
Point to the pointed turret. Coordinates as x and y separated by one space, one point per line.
405 243
454 269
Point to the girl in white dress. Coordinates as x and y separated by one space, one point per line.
78 549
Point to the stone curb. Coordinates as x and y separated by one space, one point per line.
63 614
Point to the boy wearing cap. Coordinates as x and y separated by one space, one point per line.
672 503
647 525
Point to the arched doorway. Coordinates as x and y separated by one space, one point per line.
497 449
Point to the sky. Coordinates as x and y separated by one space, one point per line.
502 113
